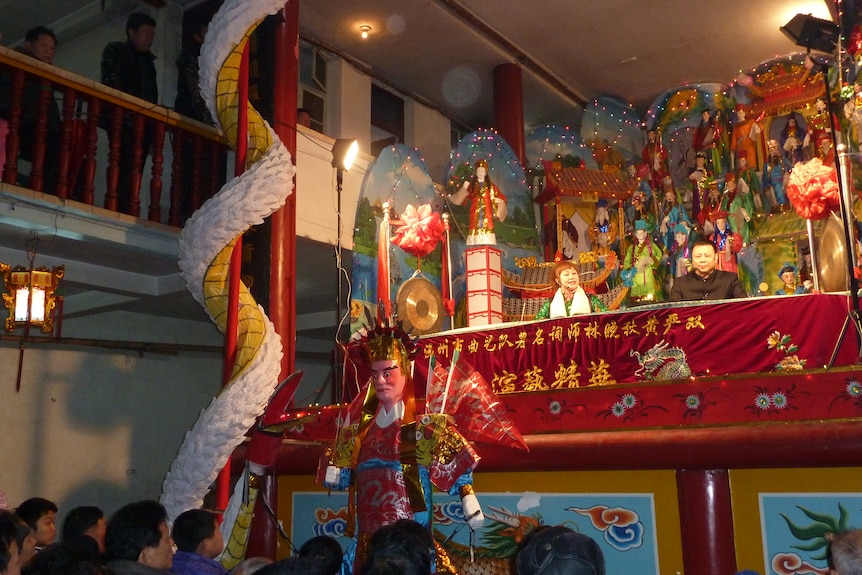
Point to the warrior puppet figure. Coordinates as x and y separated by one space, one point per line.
388 454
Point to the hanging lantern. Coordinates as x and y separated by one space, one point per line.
29 296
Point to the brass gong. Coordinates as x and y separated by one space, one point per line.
420 306
832 257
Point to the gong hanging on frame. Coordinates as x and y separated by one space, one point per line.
420 306
832 256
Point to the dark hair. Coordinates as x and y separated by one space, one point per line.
33 509
845 552
556 550
398 549
134 527
703 243
192 527
8 535
33 34
79 520
323 551
62 559
290 566
137 19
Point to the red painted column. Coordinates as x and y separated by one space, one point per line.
706 521
509 107
282 289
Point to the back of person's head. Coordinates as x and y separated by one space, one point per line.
8 538
846 553
62 559
291 566
134 527
33 34
250 566
192 527
323 551
558 550
79 520
138 19
31 510
398 548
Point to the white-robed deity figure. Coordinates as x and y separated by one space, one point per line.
486 203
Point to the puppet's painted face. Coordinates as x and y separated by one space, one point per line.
788 277
388 382
481 172
680 238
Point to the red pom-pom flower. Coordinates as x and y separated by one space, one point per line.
813 189
420 230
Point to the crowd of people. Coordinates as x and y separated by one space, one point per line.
137 540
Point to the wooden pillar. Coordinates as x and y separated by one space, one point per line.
175 217
282 289
63 162
509 107
94 107
155 212
706 521
13 138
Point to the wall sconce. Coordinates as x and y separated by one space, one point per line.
30 296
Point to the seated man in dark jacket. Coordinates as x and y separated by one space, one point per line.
704 282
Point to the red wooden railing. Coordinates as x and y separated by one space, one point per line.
71 154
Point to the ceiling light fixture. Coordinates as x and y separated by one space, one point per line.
364 30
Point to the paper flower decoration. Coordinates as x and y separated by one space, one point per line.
420 230
813 189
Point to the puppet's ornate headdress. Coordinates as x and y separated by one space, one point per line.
387 340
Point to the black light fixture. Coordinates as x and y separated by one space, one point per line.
343 153
813 33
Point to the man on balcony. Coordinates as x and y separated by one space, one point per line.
129 66
39 43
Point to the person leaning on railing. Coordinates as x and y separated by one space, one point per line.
39 43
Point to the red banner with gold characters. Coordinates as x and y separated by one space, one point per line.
655 343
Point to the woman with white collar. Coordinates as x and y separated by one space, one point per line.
570 298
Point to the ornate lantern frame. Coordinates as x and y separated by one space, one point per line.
29 296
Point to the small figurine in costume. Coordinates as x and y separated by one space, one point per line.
389 454
680 253
570 298
672 214
789 275
853 112
819 129
711 204
740 208
637 206
746 133
654 156
486 203
698 179
727 243
639 266
707 137
776 171
791 141
748 182
603 233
